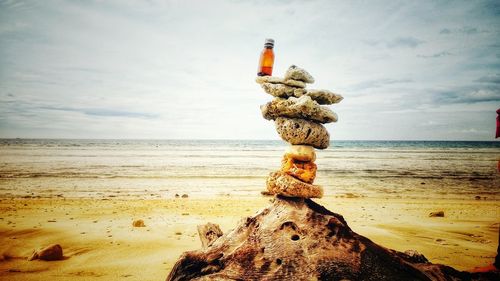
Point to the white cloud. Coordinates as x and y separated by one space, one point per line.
185 69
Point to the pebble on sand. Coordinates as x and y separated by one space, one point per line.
185 196
53 252
266 193
138 223
437 214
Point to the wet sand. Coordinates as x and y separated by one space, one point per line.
100 243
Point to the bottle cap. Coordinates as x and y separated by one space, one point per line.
269 42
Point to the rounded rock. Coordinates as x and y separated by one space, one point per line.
280 183
296 73
301 152
302 132
302 170
138 223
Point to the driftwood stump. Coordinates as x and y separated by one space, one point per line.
208 234
297 239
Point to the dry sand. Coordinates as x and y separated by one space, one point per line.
100 243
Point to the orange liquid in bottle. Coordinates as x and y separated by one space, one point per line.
266 61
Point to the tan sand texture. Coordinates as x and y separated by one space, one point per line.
100 242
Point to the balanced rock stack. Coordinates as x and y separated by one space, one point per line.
299 114
295 238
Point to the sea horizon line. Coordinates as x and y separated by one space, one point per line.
223 139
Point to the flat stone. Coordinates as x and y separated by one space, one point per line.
279 80
324 96
296 73
300 131
301 152
302 170
438 214
282 184
303 107
282 91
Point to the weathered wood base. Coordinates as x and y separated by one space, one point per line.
297 239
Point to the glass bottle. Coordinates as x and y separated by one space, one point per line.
266 59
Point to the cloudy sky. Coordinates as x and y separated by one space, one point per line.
412 70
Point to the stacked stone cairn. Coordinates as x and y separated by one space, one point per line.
298 114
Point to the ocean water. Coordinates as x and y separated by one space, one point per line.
163 168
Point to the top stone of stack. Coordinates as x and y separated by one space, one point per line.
296 73
294 85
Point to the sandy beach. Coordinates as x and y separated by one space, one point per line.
100 243
85 194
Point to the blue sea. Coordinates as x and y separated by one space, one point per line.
200 168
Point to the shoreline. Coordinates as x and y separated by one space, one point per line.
214 187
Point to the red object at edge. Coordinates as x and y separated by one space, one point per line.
497 135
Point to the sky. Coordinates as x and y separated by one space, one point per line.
410 70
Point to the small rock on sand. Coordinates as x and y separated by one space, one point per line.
185 196
351 195
138 223
437 214
266 193
50 253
